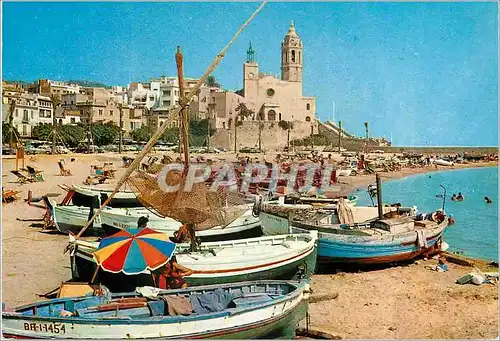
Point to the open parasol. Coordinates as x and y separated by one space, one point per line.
134 251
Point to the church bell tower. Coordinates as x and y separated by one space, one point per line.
291 56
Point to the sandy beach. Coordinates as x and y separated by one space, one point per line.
400 302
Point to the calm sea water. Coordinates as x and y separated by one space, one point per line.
475 232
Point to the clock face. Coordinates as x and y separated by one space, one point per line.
251 75
293 41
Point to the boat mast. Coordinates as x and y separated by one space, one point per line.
161 129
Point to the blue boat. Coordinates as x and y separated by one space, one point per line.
377 241
259 309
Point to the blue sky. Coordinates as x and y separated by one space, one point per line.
424 72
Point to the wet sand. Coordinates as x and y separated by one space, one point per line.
399 302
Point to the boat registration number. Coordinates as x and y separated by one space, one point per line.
53 327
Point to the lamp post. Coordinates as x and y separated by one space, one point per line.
120 108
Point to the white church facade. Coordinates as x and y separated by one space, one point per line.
279 99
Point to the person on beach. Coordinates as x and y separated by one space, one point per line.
185 234
142 222
454 197
460 197
171 275
488 200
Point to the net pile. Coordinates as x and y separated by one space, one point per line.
200 205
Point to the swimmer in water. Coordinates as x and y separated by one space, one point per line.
460 197
454 197
488 200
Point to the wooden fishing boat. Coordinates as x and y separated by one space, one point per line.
83 196
111 220
374 241
245 226
272 257
260 309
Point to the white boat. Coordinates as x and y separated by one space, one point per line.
264 309
245 226
343 172
270 257
83 195
441 162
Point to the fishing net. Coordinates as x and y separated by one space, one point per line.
201 206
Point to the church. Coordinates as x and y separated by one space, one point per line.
279 99
272 100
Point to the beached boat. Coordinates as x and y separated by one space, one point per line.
260 309
343 172
370 242
83 195
111 220
272 257
441 162
245 226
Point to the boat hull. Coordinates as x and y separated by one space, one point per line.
83 197
284 262
246 226
266 320
348 247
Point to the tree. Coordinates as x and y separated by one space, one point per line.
104 133
286 125
7 130
171 135
41 132
142 134
211 81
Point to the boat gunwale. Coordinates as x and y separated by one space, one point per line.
296 291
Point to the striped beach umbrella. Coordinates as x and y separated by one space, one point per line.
134 251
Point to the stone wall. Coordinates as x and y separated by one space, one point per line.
272 136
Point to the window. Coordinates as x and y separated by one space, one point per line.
279 117
25 130
270 92
17 112
48 114
151 98
60 121
32 116
25 115
168 103
299 55
131 125
100 112
41 113
293 56
72 120
271 115
308 106
111 113
308 119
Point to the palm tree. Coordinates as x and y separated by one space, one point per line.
211 81
286 125
243 112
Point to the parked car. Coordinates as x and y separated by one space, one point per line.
62 150
8 151
250 150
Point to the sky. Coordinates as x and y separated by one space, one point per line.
425 74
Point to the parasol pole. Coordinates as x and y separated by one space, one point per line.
161 129
95 274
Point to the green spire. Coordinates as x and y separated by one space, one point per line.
250 54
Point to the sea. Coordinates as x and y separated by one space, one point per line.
475 232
